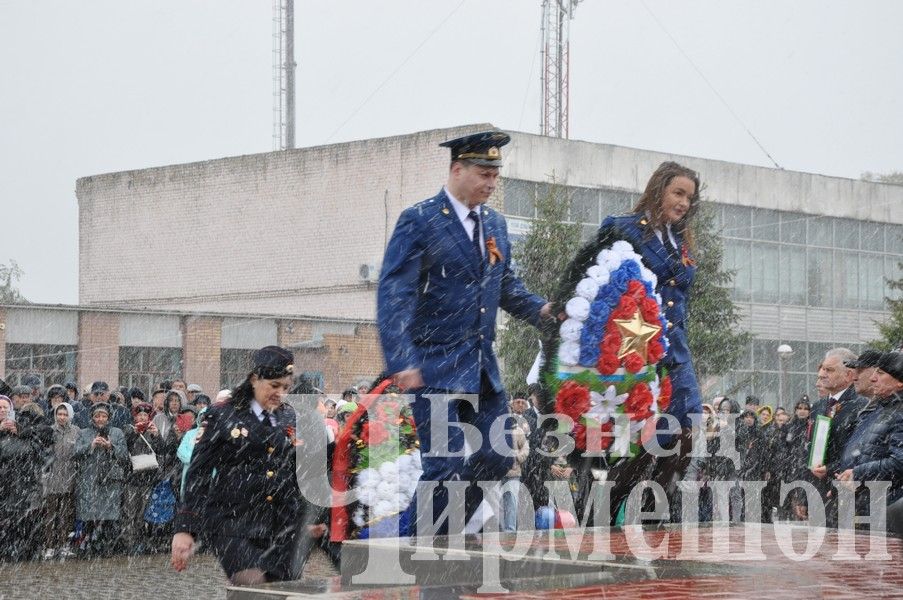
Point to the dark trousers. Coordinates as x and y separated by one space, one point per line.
482 464
59 519
135 498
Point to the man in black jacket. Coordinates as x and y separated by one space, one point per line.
842 405
865 367
874 452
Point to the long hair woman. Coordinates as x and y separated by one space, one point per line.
241 492
660 229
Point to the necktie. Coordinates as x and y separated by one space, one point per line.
666 241
472 215
266 419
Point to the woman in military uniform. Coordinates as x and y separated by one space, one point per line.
660 230
241 493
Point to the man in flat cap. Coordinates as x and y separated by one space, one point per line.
445 273
874 452
864 366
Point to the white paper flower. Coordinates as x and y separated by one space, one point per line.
603 406
577 308
598 274
386 490
598 409
367 496
388 471
587 288
655 388
358 517
368 478
405 463
383 509
623 248
569 353
570 330
608 260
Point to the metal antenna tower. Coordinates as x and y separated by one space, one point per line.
556 20
283 74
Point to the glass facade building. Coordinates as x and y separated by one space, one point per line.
824 276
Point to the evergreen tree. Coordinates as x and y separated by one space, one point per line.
715 343
541 258
892 329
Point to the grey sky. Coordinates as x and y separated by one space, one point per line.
96 86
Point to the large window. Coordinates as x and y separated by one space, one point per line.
145 367
235 364
792 269
586 205
765 257
846 279
819 267
737 259
54 364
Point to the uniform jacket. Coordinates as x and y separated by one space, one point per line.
674 278
875 449
436 308
241 480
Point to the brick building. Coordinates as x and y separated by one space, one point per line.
301 232
142 348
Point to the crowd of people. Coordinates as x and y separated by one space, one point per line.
92 473
101 473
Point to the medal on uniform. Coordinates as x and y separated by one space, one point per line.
244 432
235 432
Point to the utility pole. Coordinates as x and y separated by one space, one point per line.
283 74
556 20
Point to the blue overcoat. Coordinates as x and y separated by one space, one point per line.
436 306
674 278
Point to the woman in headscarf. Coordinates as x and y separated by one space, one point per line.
103 462
59 484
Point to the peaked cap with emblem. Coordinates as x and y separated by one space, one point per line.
273 362
479 148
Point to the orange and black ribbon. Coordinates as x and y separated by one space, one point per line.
493 251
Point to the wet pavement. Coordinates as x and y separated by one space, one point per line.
653 564
125 578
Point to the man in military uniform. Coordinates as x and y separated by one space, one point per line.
445 273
